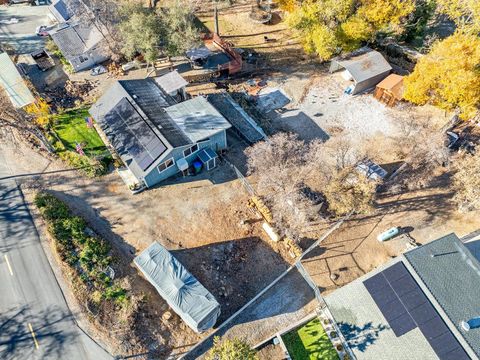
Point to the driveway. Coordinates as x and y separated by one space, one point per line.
35 322
21 36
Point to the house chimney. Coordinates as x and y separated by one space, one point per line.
473 323
215 20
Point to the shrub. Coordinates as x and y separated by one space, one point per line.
51 207
75 247
90 167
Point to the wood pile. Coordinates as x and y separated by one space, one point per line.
115 70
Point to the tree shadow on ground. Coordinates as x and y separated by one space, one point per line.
360 337
53 330
283 304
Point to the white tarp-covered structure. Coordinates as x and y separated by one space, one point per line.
182 291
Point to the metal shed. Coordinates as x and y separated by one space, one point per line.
365 67
182 291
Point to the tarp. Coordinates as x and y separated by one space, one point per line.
182 291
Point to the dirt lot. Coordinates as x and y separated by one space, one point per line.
203 220
235 26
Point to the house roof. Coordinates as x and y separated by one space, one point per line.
131 135
430 292
452 275
75 38
197 118
128 129
154 102
171 82
240 120
364 64
63 10
13 84
393 83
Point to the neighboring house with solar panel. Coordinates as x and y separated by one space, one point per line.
81 42
423 305
155 136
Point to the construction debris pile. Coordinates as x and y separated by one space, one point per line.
74 91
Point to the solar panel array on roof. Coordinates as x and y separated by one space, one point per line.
153 101
405 307
130 134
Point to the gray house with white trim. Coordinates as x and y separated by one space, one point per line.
424 304
155 136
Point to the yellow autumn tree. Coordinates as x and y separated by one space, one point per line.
448 76
385 14
40 110
465 13
328 27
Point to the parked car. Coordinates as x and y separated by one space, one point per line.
42 30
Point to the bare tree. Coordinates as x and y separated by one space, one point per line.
280 166
288 170
423 148
19 121
467 183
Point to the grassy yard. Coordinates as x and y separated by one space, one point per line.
310 341
71 128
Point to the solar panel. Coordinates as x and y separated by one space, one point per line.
444 343
457 354
405 307
402 324
404 285
129 133
414 298
376 283
423 313
433 328
395 272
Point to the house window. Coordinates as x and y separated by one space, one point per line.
165 165
190 150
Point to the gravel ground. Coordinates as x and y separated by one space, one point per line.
322 111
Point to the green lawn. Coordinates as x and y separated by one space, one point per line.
71 128
310 341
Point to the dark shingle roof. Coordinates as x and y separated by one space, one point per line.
452 275
153 101
75 38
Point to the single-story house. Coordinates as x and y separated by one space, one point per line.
81 43
180 289
154 135
390 90
364 67
13 84
422 305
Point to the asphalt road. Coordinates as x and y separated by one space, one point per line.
35 322
21 35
